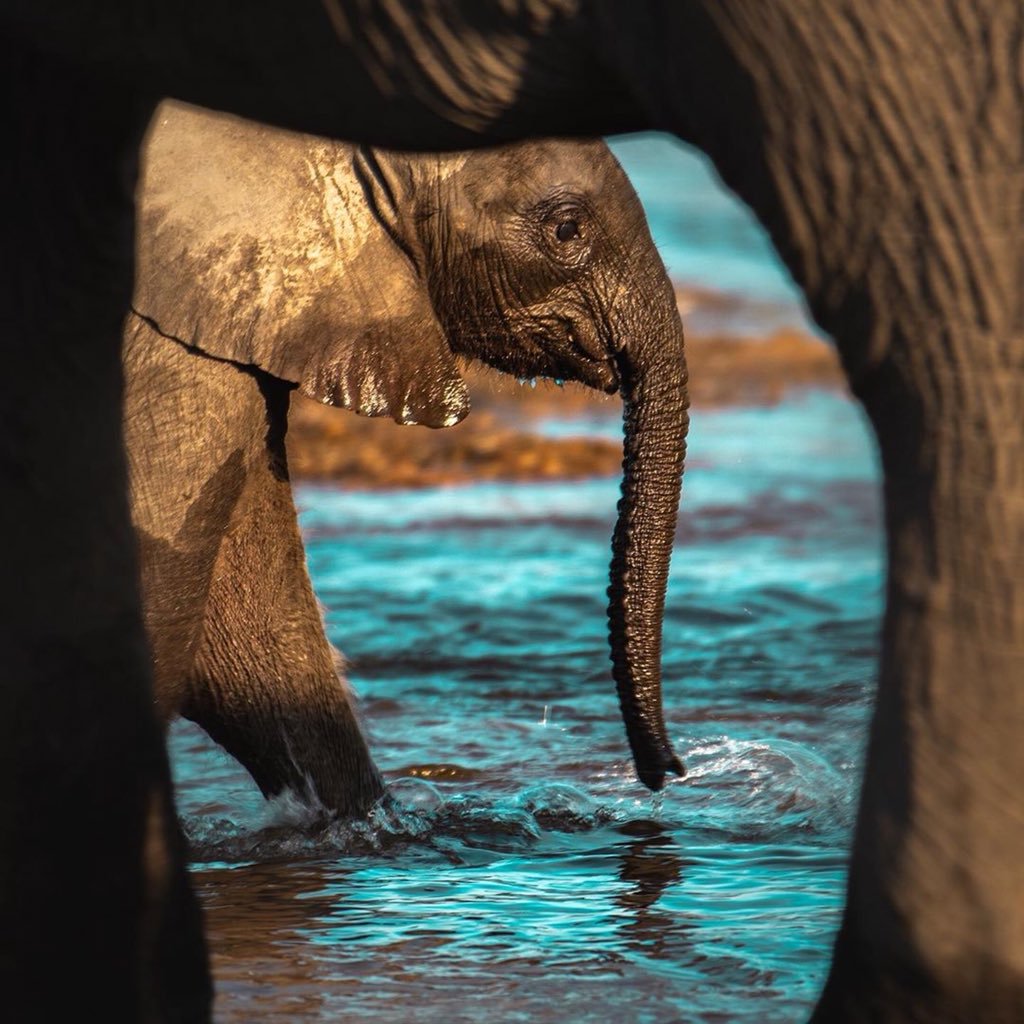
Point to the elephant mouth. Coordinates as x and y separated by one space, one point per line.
558 357
567 357
603 376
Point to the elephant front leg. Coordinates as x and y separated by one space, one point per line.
934 923
266 683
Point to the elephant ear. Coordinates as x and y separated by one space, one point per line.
265 248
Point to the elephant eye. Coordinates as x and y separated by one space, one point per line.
567 230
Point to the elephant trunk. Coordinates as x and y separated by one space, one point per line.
655 402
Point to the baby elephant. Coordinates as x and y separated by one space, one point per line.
269 261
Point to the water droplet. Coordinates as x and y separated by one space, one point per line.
416 794
559 382
533 382
544 720
559 807
520 381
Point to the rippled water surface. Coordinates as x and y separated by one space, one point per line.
524 875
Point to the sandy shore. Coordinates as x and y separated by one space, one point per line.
497 439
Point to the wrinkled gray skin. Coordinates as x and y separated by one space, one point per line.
881 143
269 261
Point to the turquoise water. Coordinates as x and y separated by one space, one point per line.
526 876
709 240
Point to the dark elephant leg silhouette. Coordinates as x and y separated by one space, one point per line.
95 905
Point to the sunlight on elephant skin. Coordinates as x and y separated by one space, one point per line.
358 277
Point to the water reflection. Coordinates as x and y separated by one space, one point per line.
649 865
257 923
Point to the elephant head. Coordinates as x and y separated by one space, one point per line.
362 275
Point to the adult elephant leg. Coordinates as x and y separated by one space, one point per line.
934 928
95 905
266 683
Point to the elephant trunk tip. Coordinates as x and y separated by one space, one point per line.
652 772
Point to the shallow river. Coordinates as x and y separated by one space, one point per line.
527 876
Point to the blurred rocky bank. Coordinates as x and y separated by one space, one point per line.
500 440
